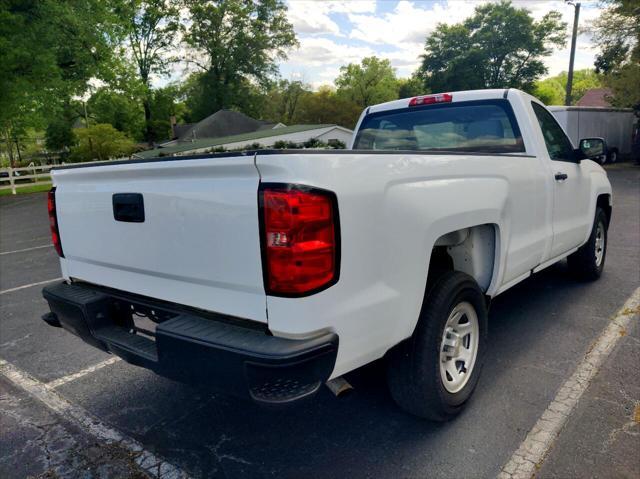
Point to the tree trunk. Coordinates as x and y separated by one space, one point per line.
148 132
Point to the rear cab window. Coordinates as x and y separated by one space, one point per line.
484 126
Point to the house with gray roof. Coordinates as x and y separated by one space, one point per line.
230 130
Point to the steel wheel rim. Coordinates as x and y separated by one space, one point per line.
459 347
600 243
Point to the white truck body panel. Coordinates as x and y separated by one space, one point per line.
615 125
201 244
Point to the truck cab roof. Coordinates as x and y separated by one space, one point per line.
457 96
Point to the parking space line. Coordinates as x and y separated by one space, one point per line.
72 377
26 249
540 439
30 285
155 466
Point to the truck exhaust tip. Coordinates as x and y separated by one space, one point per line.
339 386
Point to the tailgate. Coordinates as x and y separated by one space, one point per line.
198 244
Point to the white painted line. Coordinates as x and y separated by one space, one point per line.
72 377
531 453
11 290
152 464
26 249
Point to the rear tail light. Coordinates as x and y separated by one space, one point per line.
431 99
300 239
53 222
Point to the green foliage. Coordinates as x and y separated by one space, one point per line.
617 33
59 136
313 143
327 107
164 104
151 27
552 90
625 84
239 43
372 81
282 99
49 49
286 145
120 110
412 86
500 46
100 142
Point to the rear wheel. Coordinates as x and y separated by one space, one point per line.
433 374
613 156
588 262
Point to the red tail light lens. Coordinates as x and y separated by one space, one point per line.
53 221
431 99
299 239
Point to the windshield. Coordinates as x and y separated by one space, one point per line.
474 126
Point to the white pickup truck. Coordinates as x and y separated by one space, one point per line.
268 273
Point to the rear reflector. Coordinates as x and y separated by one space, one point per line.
299 239
53 221
431 99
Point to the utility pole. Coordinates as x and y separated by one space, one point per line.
576 6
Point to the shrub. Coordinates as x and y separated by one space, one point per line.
101 142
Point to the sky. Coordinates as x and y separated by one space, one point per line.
335 33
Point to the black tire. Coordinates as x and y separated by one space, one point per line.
413 367
612 157
584 263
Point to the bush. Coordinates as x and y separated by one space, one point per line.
337 144
314 143
101 142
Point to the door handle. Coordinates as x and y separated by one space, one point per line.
561 176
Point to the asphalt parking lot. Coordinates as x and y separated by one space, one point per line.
539 332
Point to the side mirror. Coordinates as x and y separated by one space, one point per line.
594 149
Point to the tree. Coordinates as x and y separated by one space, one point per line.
500 46
164 105
552 90
617 33
236 44
59 136
151 27
281 101
412 86
49 49
120 110
327 107
100 142
372 81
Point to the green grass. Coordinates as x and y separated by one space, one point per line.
20 190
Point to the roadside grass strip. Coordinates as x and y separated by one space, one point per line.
531 454
150 463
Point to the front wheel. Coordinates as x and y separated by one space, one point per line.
588 262
434 373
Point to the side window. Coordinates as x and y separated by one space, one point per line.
558 145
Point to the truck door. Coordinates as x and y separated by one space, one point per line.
570 186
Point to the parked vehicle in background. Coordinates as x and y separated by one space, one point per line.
270 272
615 125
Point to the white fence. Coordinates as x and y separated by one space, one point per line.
31 175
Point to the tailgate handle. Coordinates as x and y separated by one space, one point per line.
128 207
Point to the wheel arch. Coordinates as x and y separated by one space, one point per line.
474 250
